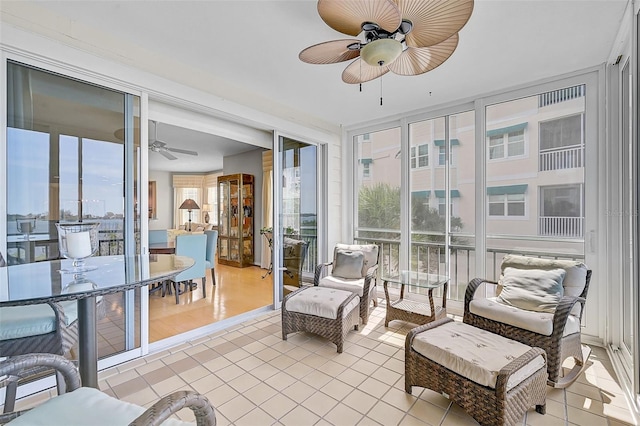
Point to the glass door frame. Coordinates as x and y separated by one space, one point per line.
277 193
66 71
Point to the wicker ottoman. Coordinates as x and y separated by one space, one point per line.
328 312
492 378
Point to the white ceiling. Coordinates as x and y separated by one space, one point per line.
247 51
211 150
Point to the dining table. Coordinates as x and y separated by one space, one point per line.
167 247
43 282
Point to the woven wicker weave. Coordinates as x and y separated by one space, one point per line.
486 405
21 367
557 347
333 329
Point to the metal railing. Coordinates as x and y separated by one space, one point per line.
430 257
561 158
561 95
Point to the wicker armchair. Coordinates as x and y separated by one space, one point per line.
82 406
557 331
359 278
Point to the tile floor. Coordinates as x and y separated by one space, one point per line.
253 377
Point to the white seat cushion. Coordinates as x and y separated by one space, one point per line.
537 322
346 284
321 302
33 320
473 353
82 407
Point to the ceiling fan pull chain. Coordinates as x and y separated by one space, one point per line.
380 90
360 75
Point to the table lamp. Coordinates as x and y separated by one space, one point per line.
189 205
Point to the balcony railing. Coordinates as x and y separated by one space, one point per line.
561 95
430 257
562 158
556 226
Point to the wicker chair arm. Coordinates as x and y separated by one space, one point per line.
371 274
512 367
171 404
320 272
563 310
471 290
428 326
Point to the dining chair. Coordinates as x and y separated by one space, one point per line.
158 236
210 263
193 246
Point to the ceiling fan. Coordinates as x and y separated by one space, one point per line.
162 148
407 37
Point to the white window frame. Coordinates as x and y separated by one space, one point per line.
415 156
505 146
505 204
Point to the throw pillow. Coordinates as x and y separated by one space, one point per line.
348 264
532 289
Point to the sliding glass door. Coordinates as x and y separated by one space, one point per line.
72 155
297 224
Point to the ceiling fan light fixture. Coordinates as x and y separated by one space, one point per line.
381 52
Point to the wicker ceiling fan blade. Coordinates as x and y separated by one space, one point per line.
418 60
330 52
434 21
359 71
167 155
347 16
182 151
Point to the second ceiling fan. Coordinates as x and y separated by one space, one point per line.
161 147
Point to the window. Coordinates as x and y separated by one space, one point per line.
562 132
507 205
561 210
507 142
366 170
510 144
442 156
212 197
420 156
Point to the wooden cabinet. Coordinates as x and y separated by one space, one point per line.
235 220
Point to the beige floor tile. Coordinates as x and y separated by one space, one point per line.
317 379
365 367
333 369
582 417
132 386
386 414
356 350
244 382
367 421
394 365
298 391
264 371
427 412
343 414
319 403
169 385
237 355
256 417
374 387
206 383
399 399
434 398
314 360
352 377
249 363
122 377
412 421
267 354
461 419
216 364
299 370
621 414
282 362
229 373
280 381
236 408
337 389
221 395
536 419
346 359
194 374
299 416
143 397
360 401
260 393
279 406
174 357
585 403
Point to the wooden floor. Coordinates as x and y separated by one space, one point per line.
237 290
